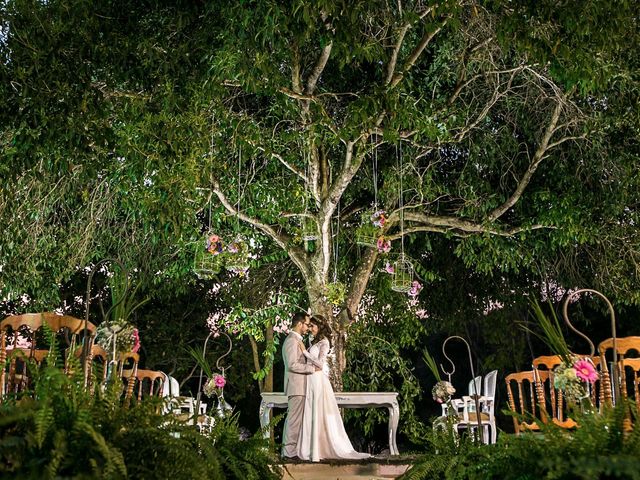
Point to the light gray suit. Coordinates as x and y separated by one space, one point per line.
295 387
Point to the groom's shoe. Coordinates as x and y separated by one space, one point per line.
295 458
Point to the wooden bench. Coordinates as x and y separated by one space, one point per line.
345 400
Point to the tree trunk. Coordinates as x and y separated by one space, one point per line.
337 365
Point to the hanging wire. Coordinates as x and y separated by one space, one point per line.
336 247
238 204
375 173
401 203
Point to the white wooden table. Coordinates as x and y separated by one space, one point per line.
345 400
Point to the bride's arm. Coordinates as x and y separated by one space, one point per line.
318 361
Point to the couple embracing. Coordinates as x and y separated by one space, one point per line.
313 429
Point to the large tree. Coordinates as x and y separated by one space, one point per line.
509 128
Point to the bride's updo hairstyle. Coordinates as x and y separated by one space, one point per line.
324 330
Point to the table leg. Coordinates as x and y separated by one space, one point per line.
394 415
264 418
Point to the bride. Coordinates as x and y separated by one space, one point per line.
322 434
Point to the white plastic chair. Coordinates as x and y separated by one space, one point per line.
474 388
486 403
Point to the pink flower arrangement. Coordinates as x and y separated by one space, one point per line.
383 245
415 289
136 341
378 219
219 381
215 385
214 244
389 268
585 371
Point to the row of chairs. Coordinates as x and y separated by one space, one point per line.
535 396
20 336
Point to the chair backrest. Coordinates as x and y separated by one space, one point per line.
548 361
171 387
632 381
490 380
475 386
149 382
523 401
624 345
26 327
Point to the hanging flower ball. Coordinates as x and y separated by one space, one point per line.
585 371
214 385
384 245
442 391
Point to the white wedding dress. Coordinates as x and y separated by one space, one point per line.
322 434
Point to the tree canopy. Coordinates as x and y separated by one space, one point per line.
501 134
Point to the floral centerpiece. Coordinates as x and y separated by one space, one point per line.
215 385
119 332
573 377
442 391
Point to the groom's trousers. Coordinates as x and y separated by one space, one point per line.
292 425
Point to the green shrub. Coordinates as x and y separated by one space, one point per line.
598 449
59 430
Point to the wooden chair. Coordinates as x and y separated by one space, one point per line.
20 359
633 381
127 369
549 363
29 326
154 382
525 404
624 345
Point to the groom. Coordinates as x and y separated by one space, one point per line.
295 383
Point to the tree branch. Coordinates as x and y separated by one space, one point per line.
533 166
361 279
396 50
424 42
296 254
317 71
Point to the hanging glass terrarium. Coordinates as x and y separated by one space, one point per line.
237 252
402 279
209 257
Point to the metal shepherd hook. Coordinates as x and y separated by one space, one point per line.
473 376
86 346
612 314
204 352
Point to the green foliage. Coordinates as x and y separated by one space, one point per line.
378 365
63 431
598 449
551 332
